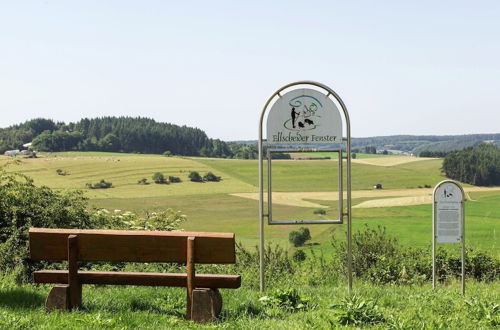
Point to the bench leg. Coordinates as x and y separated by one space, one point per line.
59 298
206 305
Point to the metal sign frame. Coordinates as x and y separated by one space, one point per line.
434 230
347 214
269 215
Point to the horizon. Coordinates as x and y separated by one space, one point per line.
242 140
401 68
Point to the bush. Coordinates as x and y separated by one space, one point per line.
24 205
159 178
379 258
211 177
356 311
195 177
61 172
167 153
299 256
287 300
143 181
299 237
319 211
174 179
103 184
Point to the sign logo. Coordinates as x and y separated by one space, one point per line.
303 113
304 116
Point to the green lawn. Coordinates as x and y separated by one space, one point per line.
209 207
104 307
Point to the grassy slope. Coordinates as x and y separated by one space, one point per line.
210 208
403 307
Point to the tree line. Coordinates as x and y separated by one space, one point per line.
474 165
119 134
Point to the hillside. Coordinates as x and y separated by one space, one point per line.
417 143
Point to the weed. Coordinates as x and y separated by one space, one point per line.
354 310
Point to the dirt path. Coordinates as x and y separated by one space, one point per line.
389 161
382 198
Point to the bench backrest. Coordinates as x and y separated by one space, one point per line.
132 246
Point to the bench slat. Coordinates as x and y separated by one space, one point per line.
131 246
143 279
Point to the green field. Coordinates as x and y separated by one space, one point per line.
210 207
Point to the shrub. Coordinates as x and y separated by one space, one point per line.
167 153
167 220
195 176
211 177
354 310
174 179
61 172
287 300
143 181
103 184
299 237
484 312
299 256
159 178
319 211
380 259
24 205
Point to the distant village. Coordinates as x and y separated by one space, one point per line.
26 151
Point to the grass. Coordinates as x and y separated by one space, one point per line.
210 207
402 307
307 175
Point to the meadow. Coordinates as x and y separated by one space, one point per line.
215 206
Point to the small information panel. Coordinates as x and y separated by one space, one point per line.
448 221
448 199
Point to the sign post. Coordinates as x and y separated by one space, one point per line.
448 221
298 121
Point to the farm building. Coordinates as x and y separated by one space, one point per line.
11 153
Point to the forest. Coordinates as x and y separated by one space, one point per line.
114 134
477 166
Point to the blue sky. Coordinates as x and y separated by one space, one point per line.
402 67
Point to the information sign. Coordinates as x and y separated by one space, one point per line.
304 116
448 199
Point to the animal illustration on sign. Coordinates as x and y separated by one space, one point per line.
303 113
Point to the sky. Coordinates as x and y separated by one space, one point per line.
401 67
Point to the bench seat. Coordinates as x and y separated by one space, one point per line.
140 278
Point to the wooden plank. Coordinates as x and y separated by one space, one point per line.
141 279
75 288
132 246
190 268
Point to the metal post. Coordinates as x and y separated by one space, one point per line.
261 213
433 243
463 248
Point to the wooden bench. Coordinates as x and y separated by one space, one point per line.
203 298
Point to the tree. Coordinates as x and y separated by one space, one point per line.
478 166
211 177
370 150
159 178
109 143
299 237
195 176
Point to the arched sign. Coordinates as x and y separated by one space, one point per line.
448 221
299 118
304 116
